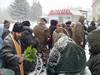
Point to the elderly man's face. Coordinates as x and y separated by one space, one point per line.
18 35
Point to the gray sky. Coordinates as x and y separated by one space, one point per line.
54 4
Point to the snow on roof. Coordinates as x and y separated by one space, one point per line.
64 12
60 12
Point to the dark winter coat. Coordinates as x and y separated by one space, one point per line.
94 64
63 57
42 34
9 55
52 29
94 49
53 25
91 28
94 41
27 40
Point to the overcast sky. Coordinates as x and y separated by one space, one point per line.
54 4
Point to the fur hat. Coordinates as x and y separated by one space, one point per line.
18 27
54 22
26 23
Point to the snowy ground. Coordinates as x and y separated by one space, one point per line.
87 52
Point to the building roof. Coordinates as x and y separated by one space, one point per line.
60 12
64 12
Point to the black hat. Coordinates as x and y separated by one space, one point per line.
26 23
18 27
68 22
54 22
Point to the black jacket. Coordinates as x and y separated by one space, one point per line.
91 28
27 40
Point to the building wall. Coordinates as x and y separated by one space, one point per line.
65 18
96 9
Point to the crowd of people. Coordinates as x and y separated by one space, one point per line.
61 47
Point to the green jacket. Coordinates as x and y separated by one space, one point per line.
66 57
94 43
94 64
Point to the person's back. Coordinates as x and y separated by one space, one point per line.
40 31
63 58
28 40
82 20
78 34
94 49
42 34
53 25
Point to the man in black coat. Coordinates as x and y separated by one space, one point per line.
28 39
27 36
92 26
